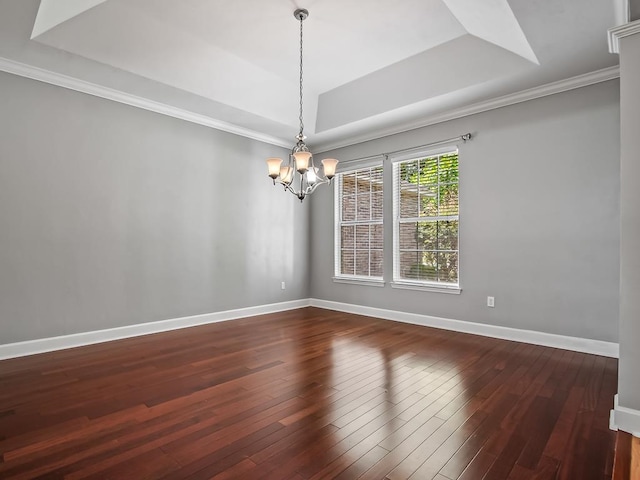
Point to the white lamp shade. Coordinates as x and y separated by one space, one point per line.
273 164
302 161
312 176
329 165
286 174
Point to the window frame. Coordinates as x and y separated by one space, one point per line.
339 277
412 284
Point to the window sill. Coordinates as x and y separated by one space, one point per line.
453 290
368 282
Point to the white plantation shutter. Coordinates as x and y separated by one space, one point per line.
359 229
426 220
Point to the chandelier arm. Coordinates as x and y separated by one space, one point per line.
312 188
321 180
287 186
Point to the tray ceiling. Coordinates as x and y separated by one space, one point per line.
369 65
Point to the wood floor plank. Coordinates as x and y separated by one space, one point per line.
308 394
635 457
496 408
479 466
623 451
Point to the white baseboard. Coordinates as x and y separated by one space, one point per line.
21 349
625 419
596 347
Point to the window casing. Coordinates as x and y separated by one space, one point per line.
359 236
426 221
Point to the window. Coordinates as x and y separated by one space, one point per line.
425 203
359 229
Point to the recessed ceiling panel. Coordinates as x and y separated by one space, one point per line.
370 67
238 53
343 39
131 40
446 68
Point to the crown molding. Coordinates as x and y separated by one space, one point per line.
622 11
560 86
65 81
616 33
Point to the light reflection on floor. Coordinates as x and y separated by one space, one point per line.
377 393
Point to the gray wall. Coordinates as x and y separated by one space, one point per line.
539 213
112 215
628 384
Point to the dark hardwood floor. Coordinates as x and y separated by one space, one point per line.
308 394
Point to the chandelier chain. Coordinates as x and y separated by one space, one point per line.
301 122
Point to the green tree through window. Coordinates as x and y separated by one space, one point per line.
426 203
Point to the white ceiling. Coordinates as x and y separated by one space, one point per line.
370 66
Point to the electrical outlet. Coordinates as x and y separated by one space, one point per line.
491 302
283 286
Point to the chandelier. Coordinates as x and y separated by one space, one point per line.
299 175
